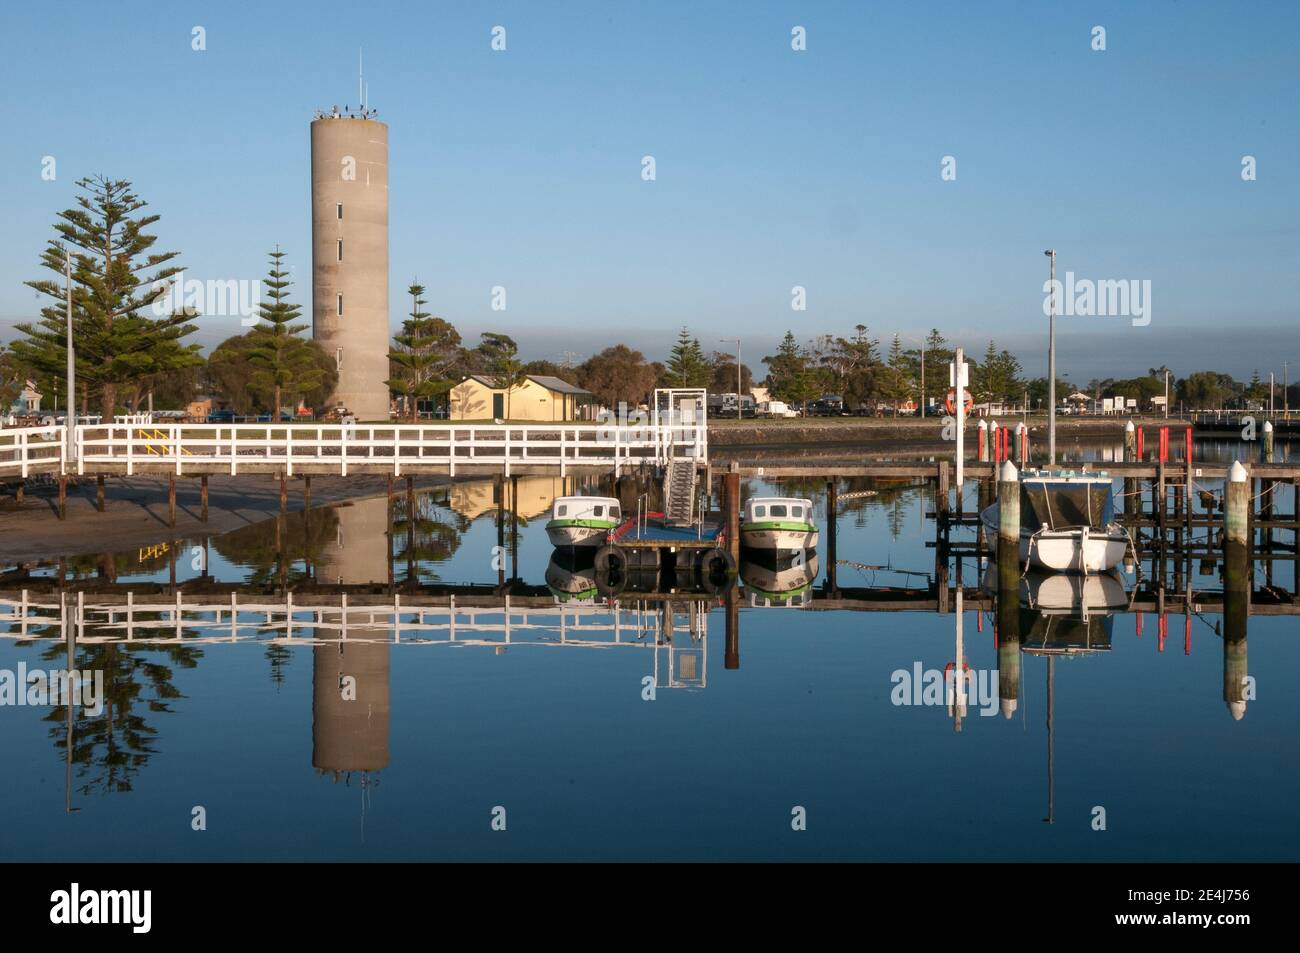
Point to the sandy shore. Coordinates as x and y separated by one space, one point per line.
135 512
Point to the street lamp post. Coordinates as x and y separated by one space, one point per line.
1051 366
1166 393
72 360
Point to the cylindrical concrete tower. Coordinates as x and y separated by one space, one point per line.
349 257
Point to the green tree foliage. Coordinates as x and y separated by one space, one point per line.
13 377
687 366
500 356
233 379
854 365
999 377
618 374
120 289
1205 390
896 383
282 360
793 376
722 375
423 356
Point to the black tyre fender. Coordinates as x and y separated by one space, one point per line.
610 559
716 569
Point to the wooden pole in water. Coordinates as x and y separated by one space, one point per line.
1236 506
63 496
1009 509
1008 630
731 659
514 527
18 493
731 481
388 531
171 499
832 580
99 492
284 494
203 497
306 492
1268 441
941 493
410 529
1236 588
501 529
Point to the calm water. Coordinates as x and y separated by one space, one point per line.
551 722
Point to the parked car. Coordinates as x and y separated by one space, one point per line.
828 405
777 408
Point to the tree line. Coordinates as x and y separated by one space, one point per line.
130 346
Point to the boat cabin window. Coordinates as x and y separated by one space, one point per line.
613 512
796 512
760 511
778 509
562 509
597 510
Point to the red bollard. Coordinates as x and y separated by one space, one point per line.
1187 634
1139 446
1187 446
1139 615
1164 444
1164 631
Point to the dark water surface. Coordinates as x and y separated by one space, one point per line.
550 721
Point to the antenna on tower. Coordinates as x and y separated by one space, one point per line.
361 89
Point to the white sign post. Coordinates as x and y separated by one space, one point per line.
959 382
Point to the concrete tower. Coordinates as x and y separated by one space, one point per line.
349 256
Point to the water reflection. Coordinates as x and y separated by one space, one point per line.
322 582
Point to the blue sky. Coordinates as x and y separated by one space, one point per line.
774 168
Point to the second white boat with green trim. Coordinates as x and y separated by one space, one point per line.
780 523
583 521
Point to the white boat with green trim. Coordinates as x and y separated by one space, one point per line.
583 521
780 523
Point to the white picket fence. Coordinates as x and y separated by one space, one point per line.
28 450
679 662
346 448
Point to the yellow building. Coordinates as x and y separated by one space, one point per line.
542 399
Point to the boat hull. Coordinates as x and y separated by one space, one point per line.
573 535
1071 551
777 538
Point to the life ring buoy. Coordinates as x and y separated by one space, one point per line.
950 402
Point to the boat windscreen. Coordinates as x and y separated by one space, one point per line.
1053 505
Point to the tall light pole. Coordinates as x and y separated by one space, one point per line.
72 359
1166 393
1051 366
738 402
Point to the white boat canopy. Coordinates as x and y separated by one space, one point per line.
778 508
586 508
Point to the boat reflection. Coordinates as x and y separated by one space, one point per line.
773 582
